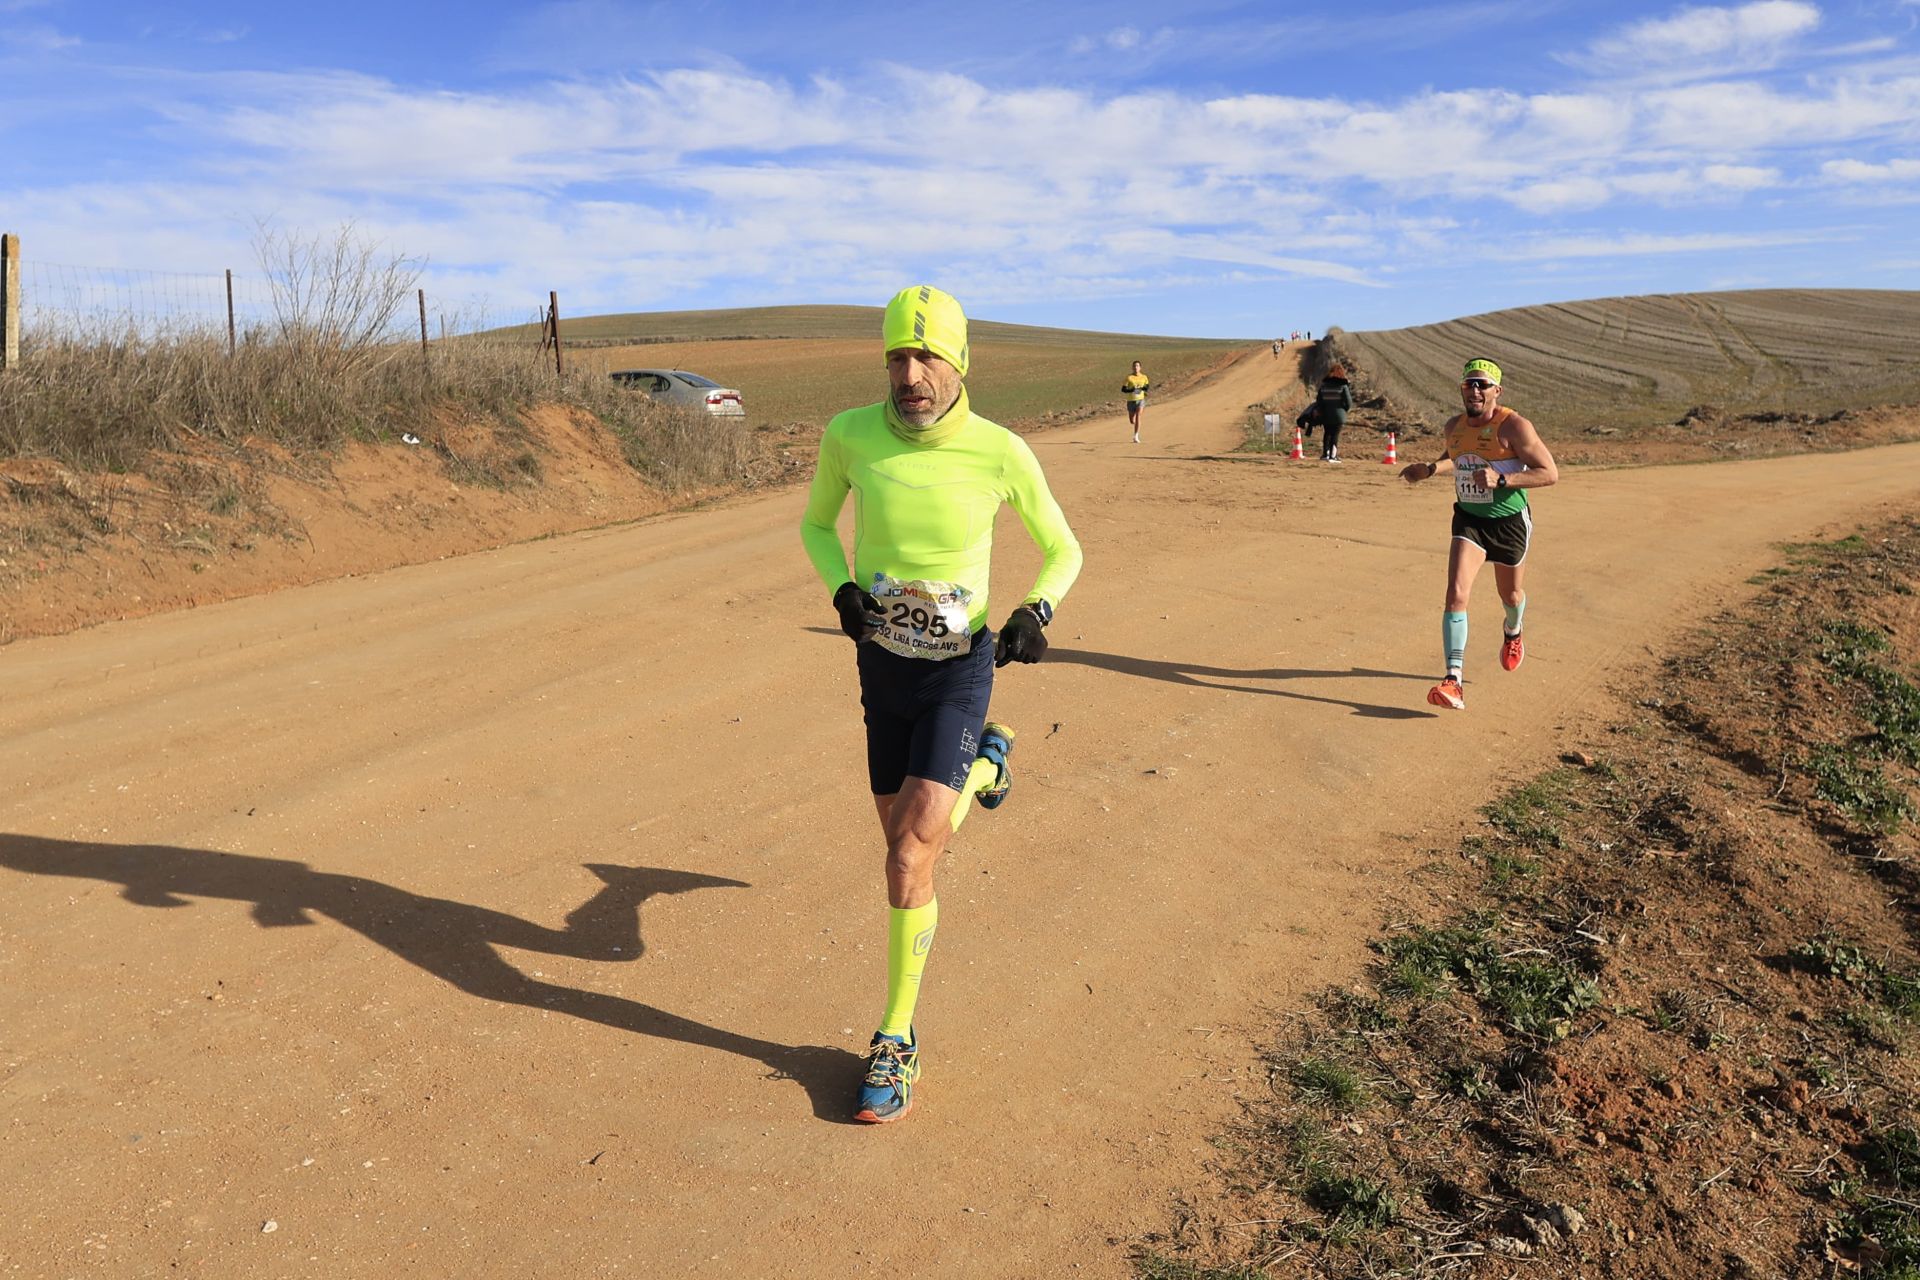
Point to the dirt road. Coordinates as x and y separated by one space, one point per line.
318 950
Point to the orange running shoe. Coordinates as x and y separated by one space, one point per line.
1511 652
1448 693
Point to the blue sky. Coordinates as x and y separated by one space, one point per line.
1212 168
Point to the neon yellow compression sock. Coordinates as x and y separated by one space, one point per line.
982 774
909 938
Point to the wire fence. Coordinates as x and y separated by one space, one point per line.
57 301
62 300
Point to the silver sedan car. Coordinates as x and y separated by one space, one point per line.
677 386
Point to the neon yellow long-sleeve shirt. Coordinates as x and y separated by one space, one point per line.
926 511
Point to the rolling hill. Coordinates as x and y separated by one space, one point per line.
1626 362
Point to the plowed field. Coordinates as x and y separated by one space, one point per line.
1638 361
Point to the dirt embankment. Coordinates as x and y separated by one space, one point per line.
213 523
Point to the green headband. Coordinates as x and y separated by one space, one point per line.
925 317
1488 367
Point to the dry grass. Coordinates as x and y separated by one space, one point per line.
106 403
1630 362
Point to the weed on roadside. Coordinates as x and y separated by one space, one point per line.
1333 1085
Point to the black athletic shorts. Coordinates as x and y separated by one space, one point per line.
1503 538
924 718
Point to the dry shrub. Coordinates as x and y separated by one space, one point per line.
328 368
105 402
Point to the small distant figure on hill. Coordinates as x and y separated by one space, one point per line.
1309 335
1277 344
1135 389
1495 455
1331 405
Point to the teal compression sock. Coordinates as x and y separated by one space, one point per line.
1453 635
1515 612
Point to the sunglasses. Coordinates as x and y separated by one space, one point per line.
1480 384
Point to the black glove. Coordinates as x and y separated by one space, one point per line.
1022 639
860 614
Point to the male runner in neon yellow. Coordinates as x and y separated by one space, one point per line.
927 476
1135 388
1494 455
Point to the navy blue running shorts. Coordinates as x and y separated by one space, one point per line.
924 718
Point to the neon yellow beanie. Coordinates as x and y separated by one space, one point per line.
926 317
1485 367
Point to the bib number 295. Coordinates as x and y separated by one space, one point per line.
923 619
919 619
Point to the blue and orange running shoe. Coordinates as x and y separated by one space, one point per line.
996 744
887 1092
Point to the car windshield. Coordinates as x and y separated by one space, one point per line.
694 379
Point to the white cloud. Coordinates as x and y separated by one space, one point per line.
1709 39
1130 41
672 185
1861 171
1636 245
1740 115
1739 177
38 38
1558 195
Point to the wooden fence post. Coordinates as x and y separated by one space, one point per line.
232 343
423 326
9 301
553 309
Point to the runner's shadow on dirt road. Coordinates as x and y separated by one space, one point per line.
453 941
1189 673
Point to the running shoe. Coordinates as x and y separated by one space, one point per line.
887 1092
996 744
1448 693
1511 652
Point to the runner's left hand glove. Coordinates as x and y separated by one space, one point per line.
1022 639
860 614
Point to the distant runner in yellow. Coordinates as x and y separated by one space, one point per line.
1495 455
1135 389
927 476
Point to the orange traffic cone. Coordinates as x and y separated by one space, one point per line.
1393 451
1298 454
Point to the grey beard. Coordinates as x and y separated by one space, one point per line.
925 418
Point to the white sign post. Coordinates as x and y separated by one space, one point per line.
1273 425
